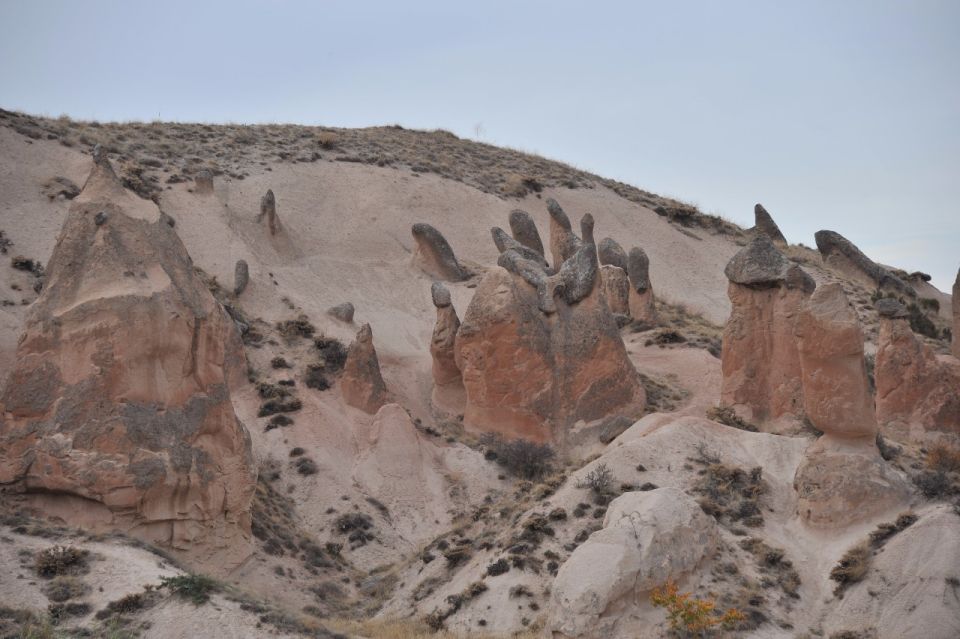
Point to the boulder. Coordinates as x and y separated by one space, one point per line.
642 304
563 242
647 539
760 360
533 375
361 383
916 390
524 230
343 312
616 289
434 256
609 252
117 414
268 210
842 480
763 223
203 182
241 277
840 253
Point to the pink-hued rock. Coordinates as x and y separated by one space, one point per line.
915 388
533 375
616 288
760 359
361 384
117 414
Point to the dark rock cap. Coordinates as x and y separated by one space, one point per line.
758 264
831 243
524 230
890 308
440 295
430 239
638 269
765 224
612 253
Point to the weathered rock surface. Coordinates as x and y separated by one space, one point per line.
504 243
642 303
524 230
445 369
532 375
563 242
955 302
616 288
203 182
434 255
343 312
362 384
647 539
840 253
916 390
609 252
268 210
763 223
241 277
117 414
579 274
760 359
843 479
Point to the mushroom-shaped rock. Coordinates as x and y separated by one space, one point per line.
760 361
843 479
648 538
506 243
840 253
241 277
361 383
434 255
764 224
563 242
440 295
268 210
203 182
616 288
117 412
642 303
917 392
445 370
343 312
524 230
533 375
609 252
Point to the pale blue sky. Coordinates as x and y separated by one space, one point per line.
841 115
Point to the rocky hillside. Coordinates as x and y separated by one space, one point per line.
297 363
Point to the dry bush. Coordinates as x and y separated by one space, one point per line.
62 588
774 566
599 480
852 567
61 560
689 615
884 532
327 139
522 458
194 588
729 494
727 416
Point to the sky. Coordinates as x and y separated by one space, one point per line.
841 115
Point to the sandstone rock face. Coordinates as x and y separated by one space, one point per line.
563 242
268 209
842 254
642 304
361 384
763 223
842 480
241 277
524 230
117 414
612 253
532 375
343 312
955 302
616 288
647 539
203 182
914 387
760 360
434 255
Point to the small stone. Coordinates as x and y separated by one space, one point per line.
100 218
342 312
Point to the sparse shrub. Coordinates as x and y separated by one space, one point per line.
327 139
333 351
884 532
920 323
774 564
194 588
299 327
125 605
851 568
5 243
315 377
306 466
278 421
297 451
62 588
274 406
525 459
687 614
61 560
599 480
727 416
279 362
22 263
731 494
498 567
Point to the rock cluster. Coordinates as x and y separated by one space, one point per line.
840 253
117 413
361 384
916 390
647 539
538 351
760 360
842 479
434 255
